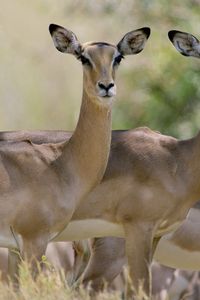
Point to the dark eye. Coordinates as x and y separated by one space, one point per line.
84 60
117 60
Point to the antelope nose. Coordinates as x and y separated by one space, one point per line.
105 87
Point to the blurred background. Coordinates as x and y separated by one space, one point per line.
40 88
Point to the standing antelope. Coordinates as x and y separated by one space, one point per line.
42 185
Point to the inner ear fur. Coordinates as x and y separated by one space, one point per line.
134 41
65 40
185 43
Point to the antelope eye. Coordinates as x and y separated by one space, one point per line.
117 60
84 60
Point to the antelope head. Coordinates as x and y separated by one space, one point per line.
99 59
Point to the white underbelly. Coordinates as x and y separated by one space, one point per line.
90 228
167 253
76 230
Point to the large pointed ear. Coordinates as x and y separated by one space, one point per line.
134 41
185 43
65 40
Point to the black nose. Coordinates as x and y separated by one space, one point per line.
105 87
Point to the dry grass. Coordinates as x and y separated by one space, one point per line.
52 285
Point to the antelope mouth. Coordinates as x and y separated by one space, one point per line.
107 96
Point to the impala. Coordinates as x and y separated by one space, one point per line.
42 185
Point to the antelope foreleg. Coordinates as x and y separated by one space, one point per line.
33 251
139 243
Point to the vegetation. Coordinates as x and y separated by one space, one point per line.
52 285
40 88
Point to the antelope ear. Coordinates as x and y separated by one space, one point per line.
134 41
185 43
65 40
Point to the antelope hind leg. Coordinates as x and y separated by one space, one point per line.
106 261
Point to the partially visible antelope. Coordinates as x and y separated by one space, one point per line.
42 185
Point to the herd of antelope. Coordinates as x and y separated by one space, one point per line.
133 192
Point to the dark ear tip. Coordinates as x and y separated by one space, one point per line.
147 31
52 28
171 34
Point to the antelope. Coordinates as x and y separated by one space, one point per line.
42 184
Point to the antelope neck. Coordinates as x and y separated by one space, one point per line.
87 151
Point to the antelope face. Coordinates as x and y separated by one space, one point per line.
99 59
